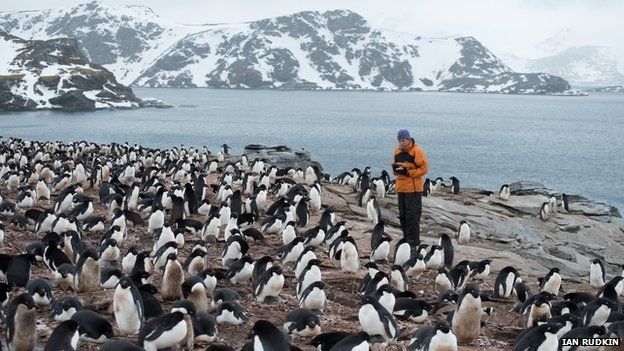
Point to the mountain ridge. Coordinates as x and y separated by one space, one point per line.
336 49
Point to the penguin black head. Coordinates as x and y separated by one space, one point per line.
540 300
172 257
125 282
384 288
313 262
184 306
472 289
371 264
23 299
148 288
443 326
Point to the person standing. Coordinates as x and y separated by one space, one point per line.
409 166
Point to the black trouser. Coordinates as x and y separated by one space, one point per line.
410 209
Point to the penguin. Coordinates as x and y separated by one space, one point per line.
376 320
208 277
160 259
435 257
129 260
596 273
447 244
221 295
565 307
92 327
325 341
542 337
372 210
128 307
266 336
290 252
231 312
544 211
466 322
302 262
597 312
415 266
402 252
162 332
64 308
504 193
380 247
379 279
64 337
109 251
353 342
372 270
463 232
311 274
19 269
408 309
505 282
109 277
436 337
454 185
240 270
302 322
41 291
235 248
590 332
87 277
194 290
151 305
315 196
384 294
205 327
172 279
349 257
565 203
289 233
540 308
480 270
195 262
269 284
442 281
313 297
552 204
551 282
188 309
21 323
314 236
398 278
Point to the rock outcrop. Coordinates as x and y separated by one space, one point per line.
55 74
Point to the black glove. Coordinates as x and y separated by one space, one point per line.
400 170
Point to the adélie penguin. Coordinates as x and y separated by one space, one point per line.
162 332
542 337
266 336
597 273
21 323
376 320
438 337
325 341
466 323
302 322
269 284
128 307
92 326
63 338
354 342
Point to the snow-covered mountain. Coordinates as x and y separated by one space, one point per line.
306 50
55 74
583 65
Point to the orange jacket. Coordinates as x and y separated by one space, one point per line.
414 160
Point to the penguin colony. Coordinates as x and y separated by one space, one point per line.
167 236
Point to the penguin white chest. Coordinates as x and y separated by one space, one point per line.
169 337
126 311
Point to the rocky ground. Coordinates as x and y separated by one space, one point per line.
509 233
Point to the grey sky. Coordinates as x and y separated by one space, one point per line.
505 26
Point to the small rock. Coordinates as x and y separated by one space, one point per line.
569 228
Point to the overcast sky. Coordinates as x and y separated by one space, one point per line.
505 26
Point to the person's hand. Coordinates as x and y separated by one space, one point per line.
400 170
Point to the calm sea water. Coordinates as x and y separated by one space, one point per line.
571 144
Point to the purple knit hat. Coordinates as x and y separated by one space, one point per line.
403 134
